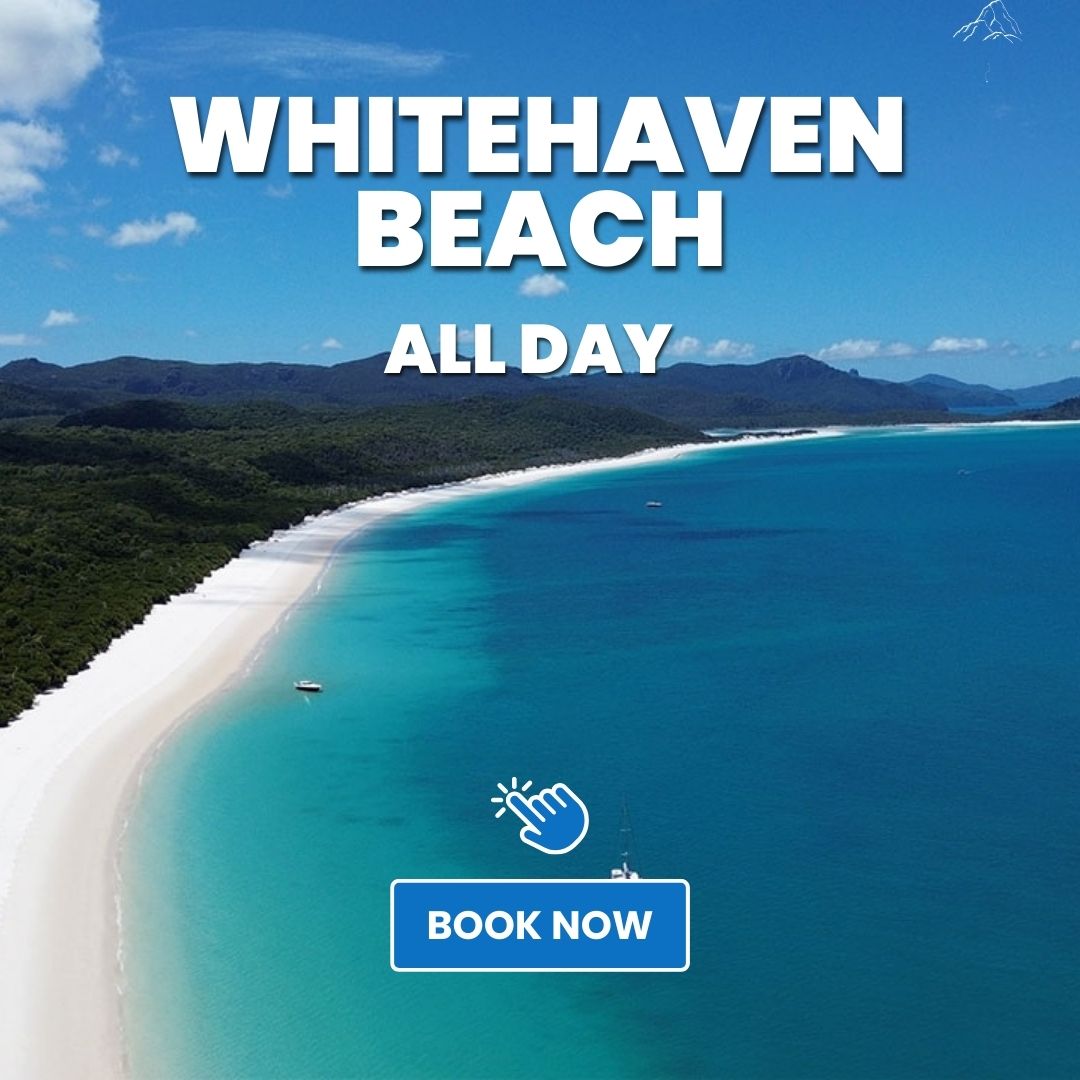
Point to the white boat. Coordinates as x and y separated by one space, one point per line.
625 872
653 504
306 686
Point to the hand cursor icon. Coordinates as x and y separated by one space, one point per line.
554 820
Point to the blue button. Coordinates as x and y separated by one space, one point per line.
539 925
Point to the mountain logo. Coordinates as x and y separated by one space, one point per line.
997 23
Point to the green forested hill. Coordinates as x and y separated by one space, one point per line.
1069 409
122 506
785 391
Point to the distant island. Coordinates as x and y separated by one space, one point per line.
129 480
1069 409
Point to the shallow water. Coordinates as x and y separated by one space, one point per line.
837 682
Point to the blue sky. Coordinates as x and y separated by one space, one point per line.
964 265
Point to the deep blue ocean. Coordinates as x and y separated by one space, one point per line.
836 681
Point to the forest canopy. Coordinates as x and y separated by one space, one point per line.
119 507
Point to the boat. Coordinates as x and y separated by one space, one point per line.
625 872
306 686
653 504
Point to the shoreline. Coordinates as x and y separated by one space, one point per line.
71 764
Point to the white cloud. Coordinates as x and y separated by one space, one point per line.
25 150
543 285
17 341
332 343
279 191
1074 346
110 155
899 348
726 349
864 349
59 318
958 344
177 224
684 346
93 231
191 333
850 349
283 53
47 48
4 226
465 336
120 81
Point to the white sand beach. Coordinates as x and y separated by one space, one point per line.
69 765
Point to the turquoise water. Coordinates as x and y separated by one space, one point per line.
837 682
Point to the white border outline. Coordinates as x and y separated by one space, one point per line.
538 881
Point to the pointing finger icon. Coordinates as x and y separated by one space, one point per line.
554 820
